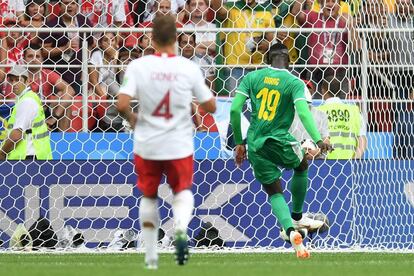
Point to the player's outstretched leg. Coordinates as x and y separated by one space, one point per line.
183 205
149 221
282 213
298 189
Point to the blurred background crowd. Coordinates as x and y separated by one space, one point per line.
55 59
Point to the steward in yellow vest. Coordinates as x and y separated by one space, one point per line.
347 130
28 136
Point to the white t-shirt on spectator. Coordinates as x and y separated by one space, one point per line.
202 36
26 113
321 119
164 86
107 76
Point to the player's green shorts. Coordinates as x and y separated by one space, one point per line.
273 154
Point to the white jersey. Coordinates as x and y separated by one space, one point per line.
164 86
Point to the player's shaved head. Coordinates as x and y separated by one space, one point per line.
164 31
278 56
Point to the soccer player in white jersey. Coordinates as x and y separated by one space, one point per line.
164 85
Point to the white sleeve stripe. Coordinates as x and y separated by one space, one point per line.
299 99
241 92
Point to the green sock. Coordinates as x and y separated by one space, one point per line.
298 188
281 210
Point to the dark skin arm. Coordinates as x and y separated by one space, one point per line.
209 106
15 136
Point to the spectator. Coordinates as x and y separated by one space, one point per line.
347 129
160 7
295 42
107 13
49 85
154 6
144 41
35 16
344 8
243 48
321 119
11 10
402 57
187 45
390 5
373 14
125 56
197 18
355 6
12 45
65 48
103 79
327 48
138 11
11 50
28 137
144 44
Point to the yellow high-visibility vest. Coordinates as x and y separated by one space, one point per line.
39 132
344 123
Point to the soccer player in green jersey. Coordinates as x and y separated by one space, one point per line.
275 94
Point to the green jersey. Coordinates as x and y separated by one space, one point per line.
273 93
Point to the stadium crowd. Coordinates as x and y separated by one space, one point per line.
315 56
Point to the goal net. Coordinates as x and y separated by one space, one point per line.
357 53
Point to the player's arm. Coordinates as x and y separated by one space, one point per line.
235 121
202 92
307 119
125 110
15 136
361 147
209 106
308 122
362 143
236 109
235 117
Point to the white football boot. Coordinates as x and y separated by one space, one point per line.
308 223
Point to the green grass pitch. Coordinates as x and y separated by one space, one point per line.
255 264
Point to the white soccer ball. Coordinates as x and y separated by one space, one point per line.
312 151
308 144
